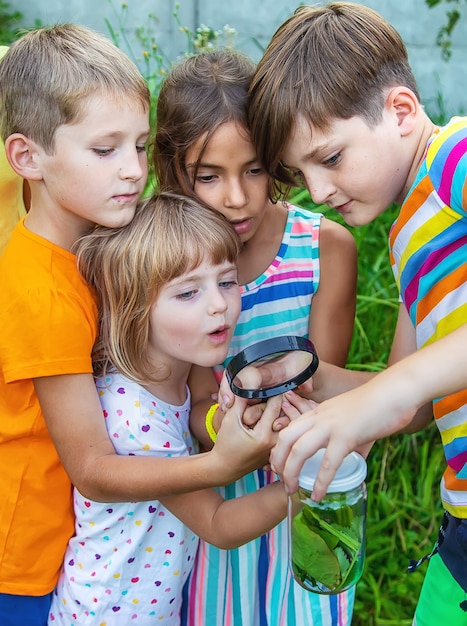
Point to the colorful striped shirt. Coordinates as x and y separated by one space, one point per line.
428 244
252 585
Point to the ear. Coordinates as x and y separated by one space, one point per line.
22 155
403 104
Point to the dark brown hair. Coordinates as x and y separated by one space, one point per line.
197 96
329 62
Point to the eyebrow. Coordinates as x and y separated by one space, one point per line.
195 275
201 164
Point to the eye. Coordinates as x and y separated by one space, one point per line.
141 148
186 295
334 160
205 178
256 171
103 151
228 284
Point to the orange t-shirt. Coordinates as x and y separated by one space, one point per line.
48 323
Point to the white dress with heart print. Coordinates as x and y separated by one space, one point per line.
128 561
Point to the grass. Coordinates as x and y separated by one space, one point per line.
404 509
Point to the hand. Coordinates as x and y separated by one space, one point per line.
243 449
254 412
327 425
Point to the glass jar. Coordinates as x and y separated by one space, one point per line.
327 538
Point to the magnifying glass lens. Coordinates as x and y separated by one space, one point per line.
273 370
273 366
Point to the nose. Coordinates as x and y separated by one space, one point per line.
134 165
217 302
236 196
320 187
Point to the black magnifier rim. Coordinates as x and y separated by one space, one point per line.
256 351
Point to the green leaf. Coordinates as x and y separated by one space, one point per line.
312 555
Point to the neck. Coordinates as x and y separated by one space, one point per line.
426 130
172 389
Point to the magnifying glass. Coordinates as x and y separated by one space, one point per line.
272 366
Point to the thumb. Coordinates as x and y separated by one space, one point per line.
235 412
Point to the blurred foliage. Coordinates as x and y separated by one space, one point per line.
9 23
453 15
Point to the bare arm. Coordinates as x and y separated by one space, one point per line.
228 524
384 405
403 345
73 415
333 308
203 387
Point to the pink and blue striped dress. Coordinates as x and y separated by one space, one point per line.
252 585
428 243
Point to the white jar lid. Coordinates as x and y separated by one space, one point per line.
351 473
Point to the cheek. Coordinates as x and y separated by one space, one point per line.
204 193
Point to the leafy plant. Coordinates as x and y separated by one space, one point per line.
9 23
444 36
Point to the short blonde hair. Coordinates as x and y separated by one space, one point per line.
47 75
169 236
325 62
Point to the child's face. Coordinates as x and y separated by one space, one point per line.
194 316
352 168
98 168
230 178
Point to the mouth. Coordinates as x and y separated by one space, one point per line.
123 198
242 226
343 208
221 334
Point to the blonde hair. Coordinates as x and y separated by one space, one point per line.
47 75
330 62
169 236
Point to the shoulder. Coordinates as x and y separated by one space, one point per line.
335 234
300 214
446 162
447 140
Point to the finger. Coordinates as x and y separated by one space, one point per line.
249 378
287 438
290 411
305 447
280 423
253 414
226 396
271 412
332 460
302 404
234 414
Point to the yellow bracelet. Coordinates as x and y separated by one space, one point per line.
209 422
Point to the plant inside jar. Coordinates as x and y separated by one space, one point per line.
326 547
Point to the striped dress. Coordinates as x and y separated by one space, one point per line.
428 244
252 585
